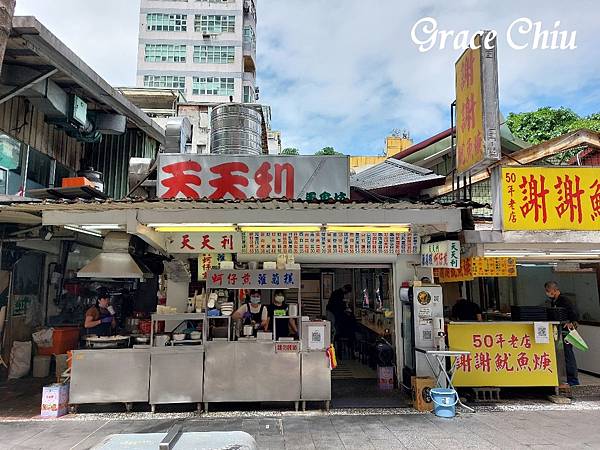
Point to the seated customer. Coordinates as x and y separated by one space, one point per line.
467 310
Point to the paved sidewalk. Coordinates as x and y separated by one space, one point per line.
484 430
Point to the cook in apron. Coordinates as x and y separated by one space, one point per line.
103 329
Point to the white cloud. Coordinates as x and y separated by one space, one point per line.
102 32
354 70
345 72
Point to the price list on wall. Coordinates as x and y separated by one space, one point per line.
330 243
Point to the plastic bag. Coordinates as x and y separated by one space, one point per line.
20 360
575 339
43 338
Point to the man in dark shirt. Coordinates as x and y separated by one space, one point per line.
467 310
557 300
337 307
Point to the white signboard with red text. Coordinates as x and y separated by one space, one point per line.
241 177
193 242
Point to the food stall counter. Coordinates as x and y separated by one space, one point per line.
98 376
252 371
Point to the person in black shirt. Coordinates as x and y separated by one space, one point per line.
279 308
466 310
336 307
557 300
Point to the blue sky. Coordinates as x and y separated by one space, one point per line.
344 73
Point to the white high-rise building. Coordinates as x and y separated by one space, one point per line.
204 48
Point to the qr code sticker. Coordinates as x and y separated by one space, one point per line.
542 331
426 335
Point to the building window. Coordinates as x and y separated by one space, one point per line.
248 94
164 81
39 170
215 54
166 22
165 53
213 86
214 24
11 156
249 36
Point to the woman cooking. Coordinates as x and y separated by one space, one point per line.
253 313
99 319
279 308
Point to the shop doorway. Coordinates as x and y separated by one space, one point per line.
359 302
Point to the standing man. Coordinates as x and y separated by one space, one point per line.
557 300
337 306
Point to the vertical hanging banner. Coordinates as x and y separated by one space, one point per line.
477 106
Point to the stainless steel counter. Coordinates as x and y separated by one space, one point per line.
250 371
176 374
110 376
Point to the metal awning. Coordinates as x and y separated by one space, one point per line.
134 216
33 47
536 245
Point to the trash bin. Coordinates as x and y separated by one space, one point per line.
41 366
444 402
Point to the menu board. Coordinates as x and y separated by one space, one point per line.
493 267
477 267
330 243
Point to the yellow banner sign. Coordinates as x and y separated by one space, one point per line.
493 267
470 145
503 355
551 198
470 268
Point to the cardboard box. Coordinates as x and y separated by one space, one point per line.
76 182
385 378
420 393
55 400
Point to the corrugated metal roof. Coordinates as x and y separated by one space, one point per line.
392 172
184 204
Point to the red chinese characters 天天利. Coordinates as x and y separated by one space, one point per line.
227 242
268 182
206 243
181 182
185 242
229 180
534 198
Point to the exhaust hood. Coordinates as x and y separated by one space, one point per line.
115 261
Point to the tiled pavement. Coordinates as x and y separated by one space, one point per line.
484 430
